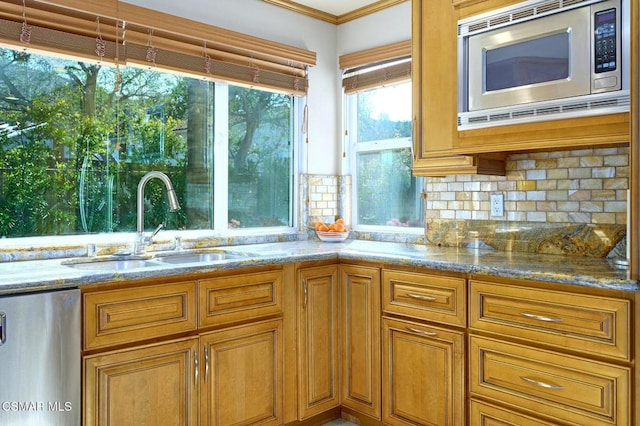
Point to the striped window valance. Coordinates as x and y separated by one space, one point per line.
376 67
113 32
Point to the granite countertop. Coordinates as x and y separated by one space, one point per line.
38 275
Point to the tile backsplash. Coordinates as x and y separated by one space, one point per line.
580 186
562 202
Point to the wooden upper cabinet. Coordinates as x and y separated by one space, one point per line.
439 148
434 81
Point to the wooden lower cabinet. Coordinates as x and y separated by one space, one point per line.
243 377
423 374
147 385
235 376
483 414
318 340
561 387
360 329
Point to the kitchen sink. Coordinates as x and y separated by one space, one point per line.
114 265
209 257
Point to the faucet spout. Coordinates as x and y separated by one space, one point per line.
174 205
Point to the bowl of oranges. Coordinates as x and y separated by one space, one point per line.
332 233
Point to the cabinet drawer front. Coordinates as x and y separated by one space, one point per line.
483 414
135 314
569 388
239 297
424 296
597 325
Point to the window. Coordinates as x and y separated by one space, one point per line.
76 137
379 127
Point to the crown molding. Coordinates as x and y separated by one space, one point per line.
335 19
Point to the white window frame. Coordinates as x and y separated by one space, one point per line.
353 149
221 167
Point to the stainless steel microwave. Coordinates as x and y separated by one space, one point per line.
543 60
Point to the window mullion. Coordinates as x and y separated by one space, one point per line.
221 157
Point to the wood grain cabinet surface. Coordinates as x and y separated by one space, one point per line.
425 296
360 329
138 313
596 325
243 375
550 384
423 374
239 297
318 340
152 384
232 375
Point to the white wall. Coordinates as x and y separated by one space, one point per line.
385 27
260 19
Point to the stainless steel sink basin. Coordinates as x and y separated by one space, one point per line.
114 265
209 257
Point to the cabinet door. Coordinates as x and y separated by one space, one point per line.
148 385
243 377
423 374
360 303
318 356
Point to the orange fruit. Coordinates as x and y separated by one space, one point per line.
332 227
340 220
319 224
339 227
323 228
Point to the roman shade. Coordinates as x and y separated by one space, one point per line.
112 32
376 67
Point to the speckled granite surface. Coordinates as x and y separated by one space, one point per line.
35 275
573 239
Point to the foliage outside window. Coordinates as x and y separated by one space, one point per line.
385 192
76 137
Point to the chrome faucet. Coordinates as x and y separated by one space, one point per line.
141 240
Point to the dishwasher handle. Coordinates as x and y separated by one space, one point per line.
3 328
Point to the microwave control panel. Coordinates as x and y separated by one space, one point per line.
605 41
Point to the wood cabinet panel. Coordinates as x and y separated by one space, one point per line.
148 385
243 375
483 414
360 327
572 389
133 314
423 374
318 340
597 325
239 297
424 296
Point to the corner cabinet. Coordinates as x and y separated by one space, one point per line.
439 148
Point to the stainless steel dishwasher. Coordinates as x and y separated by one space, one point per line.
40 359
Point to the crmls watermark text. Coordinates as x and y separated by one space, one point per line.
60 406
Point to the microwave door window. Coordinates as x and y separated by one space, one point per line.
535 61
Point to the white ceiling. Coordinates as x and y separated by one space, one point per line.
336 7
